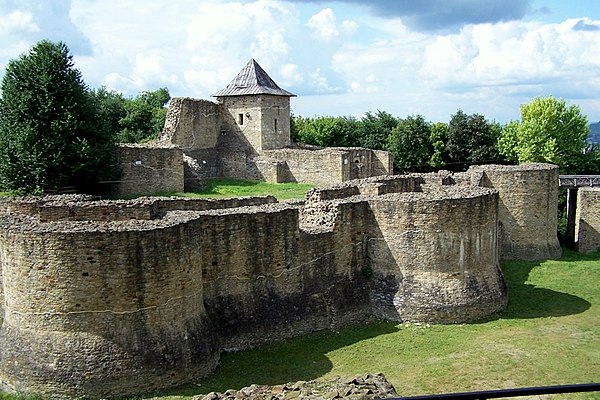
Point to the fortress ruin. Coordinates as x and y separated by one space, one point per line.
244 135
108 298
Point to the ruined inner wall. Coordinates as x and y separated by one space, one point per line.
192 124
147 169
587 220
527 208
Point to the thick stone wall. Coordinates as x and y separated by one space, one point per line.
330 166
527 209
192 124
587 220
103 310
434 256
147 169
101 307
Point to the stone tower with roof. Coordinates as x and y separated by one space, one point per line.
245 134
255 106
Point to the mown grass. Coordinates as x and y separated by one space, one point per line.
549 334
221 188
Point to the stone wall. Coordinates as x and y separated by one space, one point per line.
192 124
98 306
101 310
332 165
527 209
587 220
434 256
147 169
275 122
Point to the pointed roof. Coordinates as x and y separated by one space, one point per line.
252 79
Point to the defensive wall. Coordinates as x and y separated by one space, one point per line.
110 298
587 220
213 143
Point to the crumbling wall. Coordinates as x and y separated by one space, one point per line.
98 306
587 220
319 167
147 169
192 124
527 209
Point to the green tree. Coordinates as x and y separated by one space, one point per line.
323 131
470 140
549 131
50 134
438 138
133 120
373 130
110 106
144 116
409 144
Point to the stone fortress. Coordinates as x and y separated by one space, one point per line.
107 298
245 135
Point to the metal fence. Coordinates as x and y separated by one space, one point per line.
519 392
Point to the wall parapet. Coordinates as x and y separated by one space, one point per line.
152 289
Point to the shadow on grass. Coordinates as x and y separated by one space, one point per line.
304 358
529 301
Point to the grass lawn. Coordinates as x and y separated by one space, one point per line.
220 188
549 334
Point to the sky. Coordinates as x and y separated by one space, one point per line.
345 57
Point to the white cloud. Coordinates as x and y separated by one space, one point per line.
513 53
324 24
18 21
290 75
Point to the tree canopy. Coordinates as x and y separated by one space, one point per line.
470 139
136 120
50 134
549 131
409 143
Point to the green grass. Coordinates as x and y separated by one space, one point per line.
549 334
221 188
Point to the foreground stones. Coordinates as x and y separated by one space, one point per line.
367 386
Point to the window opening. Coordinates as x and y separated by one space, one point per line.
275 124
241 119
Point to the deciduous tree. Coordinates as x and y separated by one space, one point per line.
409 144
549 131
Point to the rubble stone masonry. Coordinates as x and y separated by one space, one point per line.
97 306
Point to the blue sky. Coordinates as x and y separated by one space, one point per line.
346 57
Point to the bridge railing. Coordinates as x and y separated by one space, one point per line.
575 181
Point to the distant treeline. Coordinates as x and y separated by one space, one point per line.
549 131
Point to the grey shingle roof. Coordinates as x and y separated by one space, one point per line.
252 79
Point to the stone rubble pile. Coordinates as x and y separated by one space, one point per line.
368 386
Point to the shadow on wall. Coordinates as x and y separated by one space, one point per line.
529 301
267 367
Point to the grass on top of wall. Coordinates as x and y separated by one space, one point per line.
548 335
221 188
